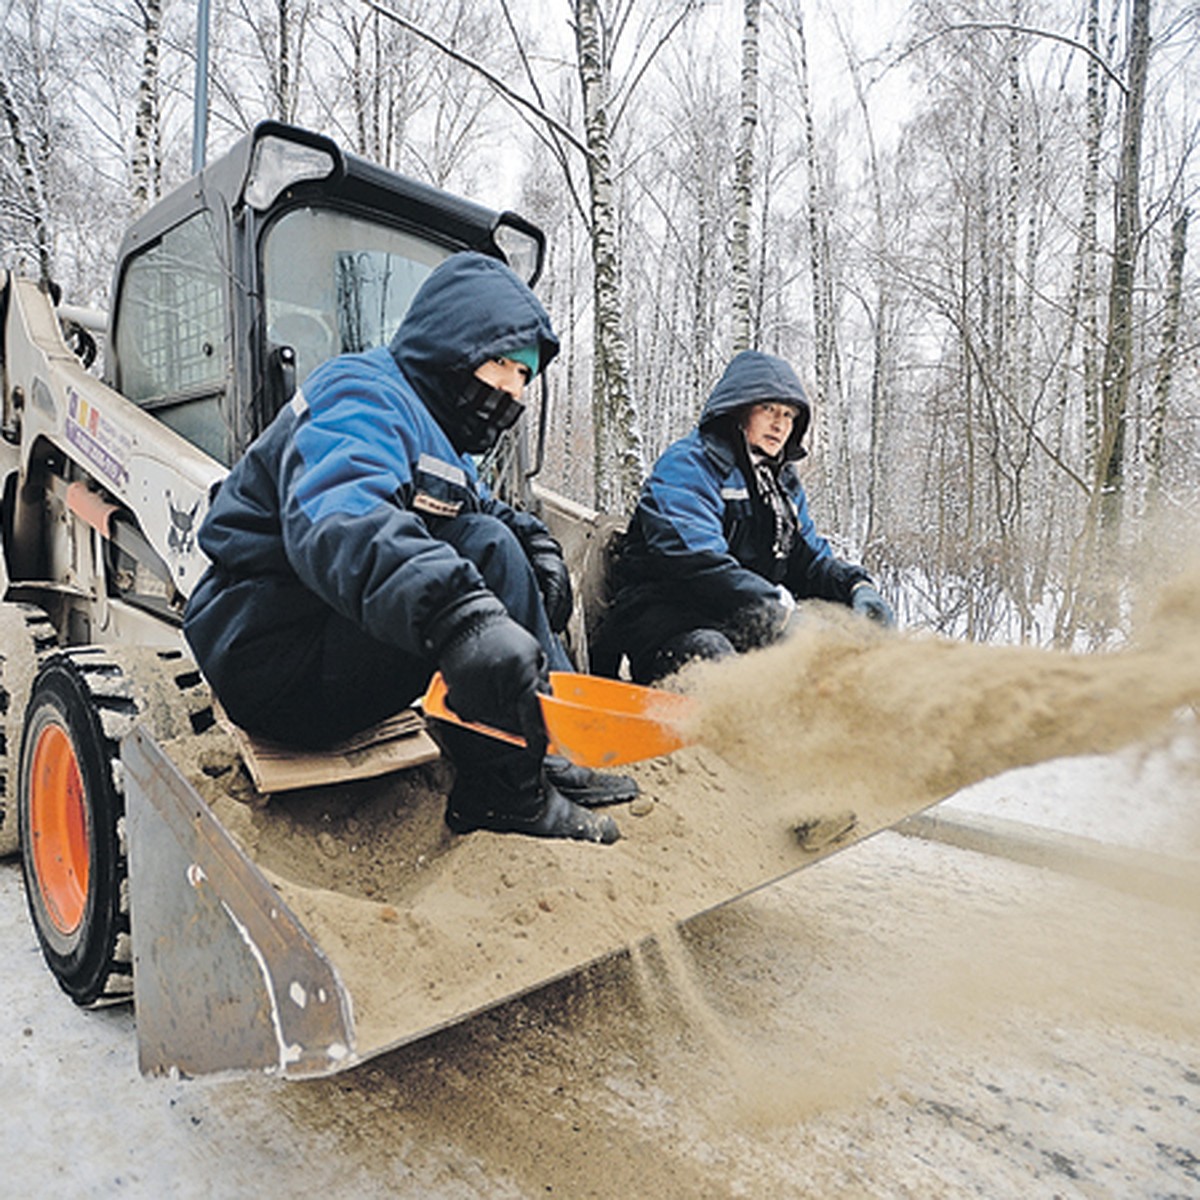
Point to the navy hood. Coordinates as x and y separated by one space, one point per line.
472 308
753 377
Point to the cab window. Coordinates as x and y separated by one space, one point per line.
335 283
171 334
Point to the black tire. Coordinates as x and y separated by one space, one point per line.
26 637
71 818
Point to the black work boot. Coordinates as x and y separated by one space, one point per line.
511 794
554 816
587 787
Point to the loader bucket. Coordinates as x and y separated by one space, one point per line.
241 966
226 979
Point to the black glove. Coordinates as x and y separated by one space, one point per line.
761 622
494 668
867 602
554 580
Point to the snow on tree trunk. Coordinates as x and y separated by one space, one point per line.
283 71
146 164
618 443
1118 350
30 178
744 179
1165 369
821 313
1097 99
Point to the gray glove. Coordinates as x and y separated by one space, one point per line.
867 602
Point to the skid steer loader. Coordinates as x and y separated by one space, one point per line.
225 295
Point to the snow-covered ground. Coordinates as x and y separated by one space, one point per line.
1142 798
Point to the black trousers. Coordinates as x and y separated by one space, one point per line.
342 680
653 626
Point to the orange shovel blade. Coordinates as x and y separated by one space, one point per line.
597 722
433 703
592 721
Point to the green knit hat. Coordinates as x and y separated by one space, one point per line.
527 356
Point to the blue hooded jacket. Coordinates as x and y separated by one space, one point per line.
337 504
698 540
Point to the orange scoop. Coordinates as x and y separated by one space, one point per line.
592 721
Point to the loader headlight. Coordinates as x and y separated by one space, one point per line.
278 164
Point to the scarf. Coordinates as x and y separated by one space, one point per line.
765 474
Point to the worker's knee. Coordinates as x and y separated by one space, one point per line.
485 540
677 652
500 558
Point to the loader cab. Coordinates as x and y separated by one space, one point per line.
277 256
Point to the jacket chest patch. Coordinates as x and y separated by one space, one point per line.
436 506
442 489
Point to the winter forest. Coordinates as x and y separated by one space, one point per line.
965 222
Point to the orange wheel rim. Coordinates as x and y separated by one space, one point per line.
58 824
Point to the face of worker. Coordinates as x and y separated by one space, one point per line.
505 374
768 426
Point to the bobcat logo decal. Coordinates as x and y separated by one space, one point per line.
181 537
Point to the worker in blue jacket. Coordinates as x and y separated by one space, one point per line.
721 544
354 550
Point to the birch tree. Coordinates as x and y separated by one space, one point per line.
677 244
618 460
146 159
1093 602
275 32
1164 371
829 417
1118 346
27 122
952 298
881 306
743 186
598 29
376 77
1097 106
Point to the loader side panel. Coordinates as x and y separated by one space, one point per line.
70 428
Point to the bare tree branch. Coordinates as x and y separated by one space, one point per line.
631 85
500 86
1009 27
548 136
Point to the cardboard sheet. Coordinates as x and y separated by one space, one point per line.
394 744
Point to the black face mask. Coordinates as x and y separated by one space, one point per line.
478 415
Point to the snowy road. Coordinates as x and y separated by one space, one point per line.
905 1019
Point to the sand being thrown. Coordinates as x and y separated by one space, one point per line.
425 927
842 711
